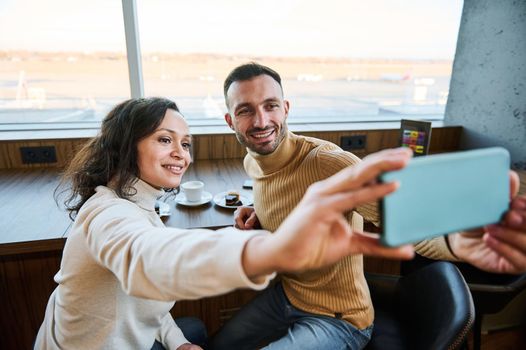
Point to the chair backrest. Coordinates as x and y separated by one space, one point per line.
428 309
491 292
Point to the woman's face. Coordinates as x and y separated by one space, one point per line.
164 156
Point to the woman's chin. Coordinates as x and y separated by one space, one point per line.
163 184
170 185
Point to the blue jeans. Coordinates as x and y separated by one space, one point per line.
271 321
193 329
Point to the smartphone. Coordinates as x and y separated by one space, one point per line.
445 193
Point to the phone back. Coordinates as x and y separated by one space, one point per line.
444 193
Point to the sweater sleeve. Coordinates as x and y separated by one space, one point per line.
332 161
165 263
435 248
170 335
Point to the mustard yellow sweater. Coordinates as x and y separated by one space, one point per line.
280 181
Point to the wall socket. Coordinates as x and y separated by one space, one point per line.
353 142
41 154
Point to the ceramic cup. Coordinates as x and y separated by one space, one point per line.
193 190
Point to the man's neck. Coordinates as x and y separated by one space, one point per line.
281 156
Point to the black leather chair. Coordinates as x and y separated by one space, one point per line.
491 292
430 308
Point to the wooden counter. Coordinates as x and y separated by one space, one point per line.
33 222
218 176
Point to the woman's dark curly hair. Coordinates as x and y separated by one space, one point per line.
112 154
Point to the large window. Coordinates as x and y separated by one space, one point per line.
63 63
340 60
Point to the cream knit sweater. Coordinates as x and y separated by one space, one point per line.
122 270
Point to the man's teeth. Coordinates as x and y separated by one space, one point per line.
262 136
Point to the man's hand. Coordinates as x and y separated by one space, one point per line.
509 239
189 346
245 219
497 248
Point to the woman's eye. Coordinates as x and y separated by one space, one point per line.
187 145
165 140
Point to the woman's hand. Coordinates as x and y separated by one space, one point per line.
316 233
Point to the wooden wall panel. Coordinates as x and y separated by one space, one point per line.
226 146
442 139
10 157
26 282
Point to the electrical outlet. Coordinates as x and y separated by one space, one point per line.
42 154
353 142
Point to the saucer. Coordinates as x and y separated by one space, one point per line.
219 199
181 199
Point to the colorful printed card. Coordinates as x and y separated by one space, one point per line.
415 134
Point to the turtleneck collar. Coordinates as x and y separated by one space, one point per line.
281 157
145 195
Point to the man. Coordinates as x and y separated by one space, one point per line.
328 308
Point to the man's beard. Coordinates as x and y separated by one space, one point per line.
264 149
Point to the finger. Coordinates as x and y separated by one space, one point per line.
515 219
366 171
369 245
513 256
239 220
519 203
238 223
348 200
251 221
390 151
514 184
511 237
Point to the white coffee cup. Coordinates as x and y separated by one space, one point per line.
193 190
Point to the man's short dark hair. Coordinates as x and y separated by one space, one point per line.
248 71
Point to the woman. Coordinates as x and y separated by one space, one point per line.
122 270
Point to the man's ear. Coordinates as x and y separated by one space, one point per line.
228 119
286 105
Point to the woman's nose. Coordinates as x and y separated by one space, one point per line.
177 151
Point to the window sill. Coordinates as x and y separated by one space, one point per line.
88 132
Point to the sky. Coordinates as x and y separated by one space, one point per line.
388 29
